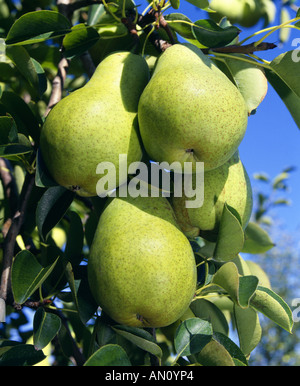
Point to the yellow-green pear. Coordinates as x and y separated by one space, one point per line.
141 268
229 183
244 12
96 124
190 111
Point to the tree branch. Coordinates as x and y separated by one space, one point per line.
10 190
58 84
10 241
247 49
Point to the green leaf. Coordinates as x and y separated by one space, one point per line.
279 181
249 78
37 26
74 245
82 297
273 306
12 150
284 33
248 328
51 208
109 355
199 3
230 239
45 326
23 116
29 68
286 66
231 347
140 338
79 40
21 355
43 178
206 310
27 275
175 4
214 354
257 239
180 24
192 335
211 35
287 94
240 288
96 12
8 130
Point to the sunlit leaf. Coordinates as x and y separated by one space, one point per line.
37 26
27 275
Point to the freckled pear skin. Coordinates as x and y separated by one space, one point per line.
95 124
228 183
141 267
190 110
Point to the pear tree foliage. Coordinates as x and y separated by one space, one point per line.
49 49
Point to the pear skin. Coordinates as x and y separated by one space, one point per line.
190 111
95 124
229 183
141 268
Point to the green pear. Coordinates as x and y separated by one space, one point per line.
190 111
141 268
243 12
95 124
229 183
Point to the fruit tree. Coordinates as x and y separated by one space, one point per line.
126 208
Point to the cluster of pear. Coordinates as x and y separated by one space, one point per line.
246 13
141 268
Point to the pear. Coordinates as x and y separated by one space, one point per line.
190 111
243 12
141 268
229 183
95 124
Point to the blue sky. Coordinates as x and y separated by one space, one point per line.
272 140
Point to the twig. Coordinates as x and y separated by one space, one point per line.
145 22
10 241
246 49
58 84
10 190
129 24
163 23
67 8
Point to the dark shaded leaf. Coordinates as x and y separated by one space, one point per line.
22 355
109 355
192 335
45 326
51 208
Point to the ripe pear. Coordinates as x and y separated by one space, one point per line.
229 183
190 111
95 124
141 268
